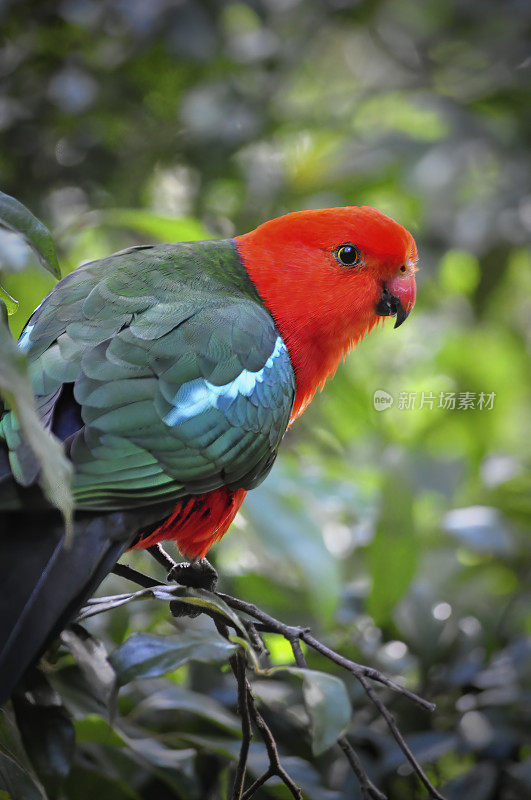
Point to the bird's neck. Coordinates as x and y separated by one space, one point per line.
317 329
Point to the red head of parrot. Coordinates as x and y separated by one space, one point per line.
327 276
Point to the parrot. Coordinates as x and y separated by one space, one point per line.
170 373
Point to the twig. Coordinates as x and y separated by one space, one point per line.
275 767
386 714
254 637
367 672
247 709
298 655
135 576
253 788
360 671
368 789
238 667
160 555
294 635
291 632
237 664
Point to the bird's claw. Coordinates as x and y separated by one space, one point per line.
195 574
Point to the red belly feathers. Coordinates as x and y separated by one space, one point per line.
198 522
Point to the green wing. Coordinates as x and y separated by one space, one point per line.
162 372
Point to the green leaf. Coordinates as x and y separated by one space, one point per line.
10 303
159 709
221 746
91 657
145 655
392 556
132 742
157 226
28 287
198 598
327 703
18 218
194 597
46 730
21 785
56 471
78 695
153 753
16 773
96 729
86 783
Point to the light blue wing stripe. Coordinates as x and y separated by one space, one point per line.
197 396
24 341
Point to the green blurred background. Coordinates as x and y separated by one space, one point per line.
399 535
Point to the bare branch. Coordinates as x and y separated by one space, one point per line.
261 621
237 663
253 788
134 575
368 789
386 714
360 671
275 767
291 633
247 709
367 672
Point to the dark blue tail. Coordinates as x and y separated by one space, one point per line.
43 583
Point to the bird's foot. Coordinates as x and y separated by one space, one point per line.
197 574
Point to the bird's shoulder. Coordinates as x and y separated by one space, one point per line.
158 284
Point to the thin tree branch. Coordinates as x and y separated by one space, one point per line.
360 671
291 632
254 637
294 635
160 555
298 655
275 767
247 709
135 576
386 714
253 788
368 789
364 671
237 663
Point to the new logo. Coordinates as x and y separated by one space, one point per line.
382 400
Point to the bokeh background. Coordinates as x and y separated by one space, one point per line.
398 535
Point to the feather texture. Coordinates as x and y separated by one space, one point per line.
162 372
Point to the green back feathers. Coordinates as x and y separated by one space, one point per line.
163 373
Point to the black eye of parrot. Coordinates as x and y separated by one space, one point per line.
348 254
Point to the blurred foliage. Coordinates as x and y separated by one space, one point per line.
398 534
15 388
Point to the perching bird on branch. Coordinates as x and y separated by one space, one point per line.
171 373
